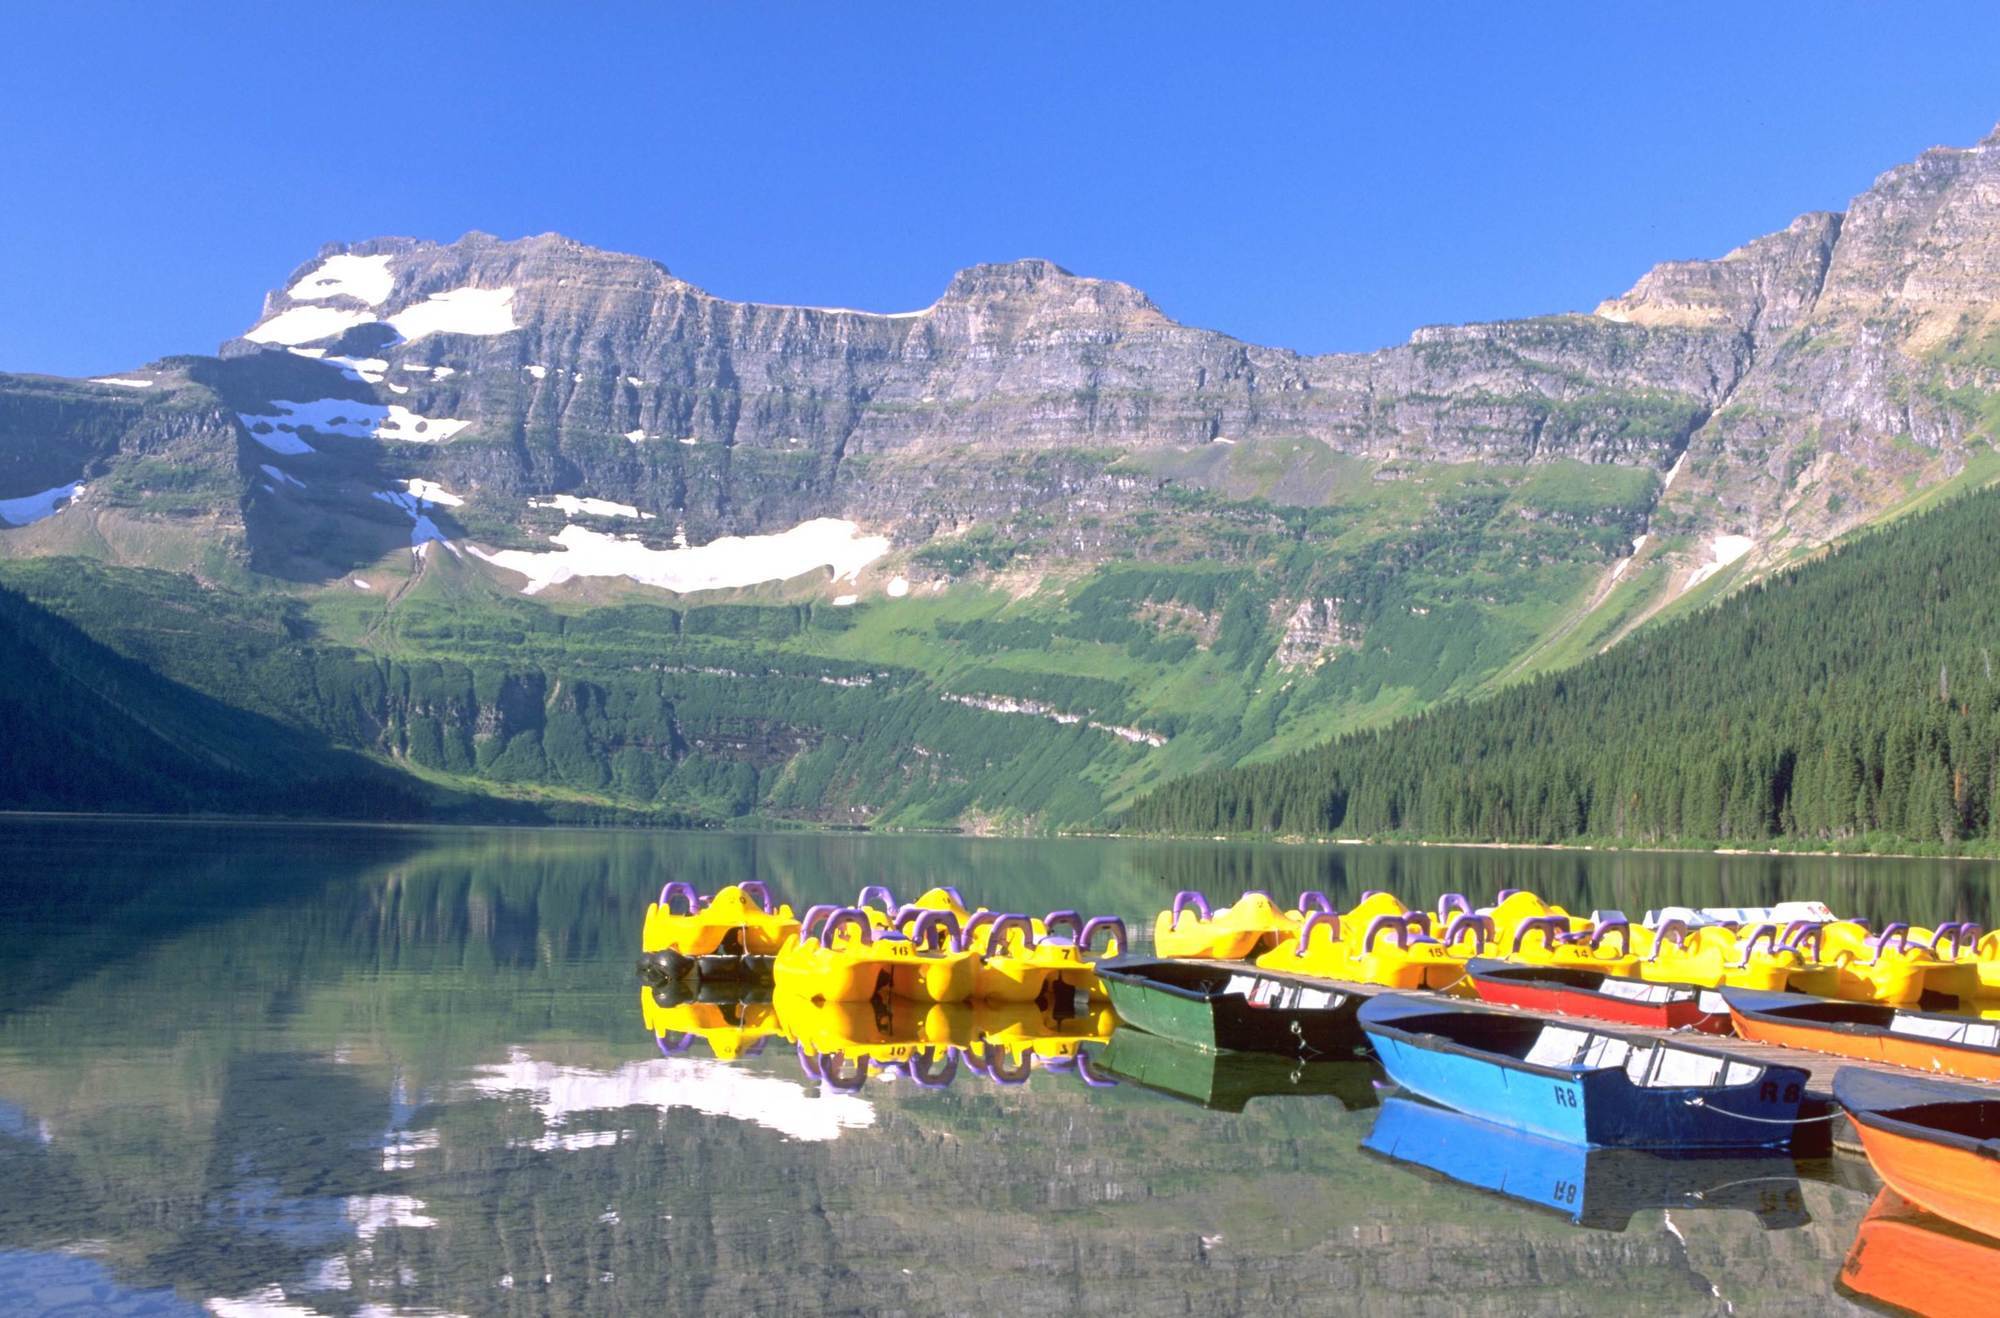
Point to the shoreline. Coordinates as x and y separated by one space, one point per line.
768 828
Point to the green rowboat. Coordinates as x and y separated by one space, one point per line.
1228 1006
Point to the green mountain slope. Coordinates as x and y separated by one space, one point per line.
1851 701
90 729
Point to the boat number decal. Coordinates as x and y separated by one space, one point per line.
1565 1096
1768 1092
1565 1192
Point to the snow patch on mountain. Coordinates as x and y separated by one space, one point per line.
422 529
124 381
363 278
281 477
733 561
401 423
573 505
344 416
1723 550
32 508
297 325
458 311
432 492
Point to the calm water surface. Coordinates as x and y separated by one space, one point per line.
271 1070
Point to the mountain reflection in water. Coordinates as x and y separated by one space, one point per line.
318 1070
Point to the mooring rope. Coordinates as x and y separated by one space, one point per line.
1699 1101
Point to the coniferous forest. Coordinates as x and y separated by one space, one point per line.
1852 701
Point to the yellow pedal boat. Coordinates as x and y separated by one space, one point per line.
1381 942
1249 926
740 909
839 956
1896 967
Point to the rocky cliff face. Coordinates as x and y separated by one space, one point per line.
1809 375
578 367
1870 339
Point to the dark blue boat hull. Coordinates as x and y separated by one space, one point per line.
1601 1107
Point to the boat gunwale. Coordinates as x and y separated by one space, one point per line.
1858 1029
1514 973
1112 973
1881 1118
1439 1043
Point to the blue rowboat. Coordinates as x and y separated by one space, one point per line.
1596 1188
1582 1085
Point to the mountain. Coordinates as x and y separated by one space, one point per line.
1849 702
1008 560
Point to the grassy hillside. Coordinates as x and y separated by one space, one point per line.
1009 688
1850 702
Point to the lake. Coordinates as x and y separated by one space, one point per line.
295 1070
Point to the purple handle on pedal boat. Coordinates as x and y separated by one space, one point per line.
977 921
1551 928
1383 924
758 894
1623 928
1900 931
847 915
1312 899
935 930
1453 902
814 914
684 889
1674 931
882 894
1317 920
1794 932
1113 946
1064 919
996 941
1186 898
1480 925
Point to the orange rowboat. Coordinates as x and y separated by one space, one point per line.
1905 1257
1936 1143
1921 1040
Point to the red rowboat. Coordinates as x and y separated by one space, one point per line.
1575 991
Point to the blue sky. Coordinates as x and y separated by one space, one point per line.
1323 177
